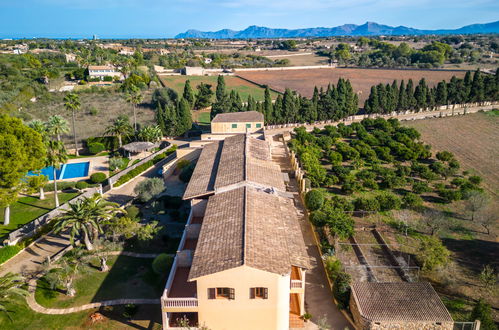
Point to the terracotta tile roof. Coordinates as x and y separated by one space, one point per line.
203 178
235 160
246 226
100 67
402 302
238 117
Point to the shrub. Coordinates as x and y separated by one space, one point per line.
171 202
420 187
8 252
81 185
341 289
366 204
130 311
450 195
432 253
412 201
183 163
95 148
93 111
186 173
109 142
475 179
444 156
314 199
115 163
98 177
132 211
483 312
388 201
162 264
149 188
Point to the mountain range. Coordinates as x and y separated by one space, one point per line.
366 29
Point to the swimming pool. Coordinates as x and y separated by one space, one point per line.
66 171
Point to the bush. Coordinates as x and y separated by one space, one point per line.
162 264
116 163
475 179
444 156
149 188
183 163
314 199
132 211
171 202
109 142
186 173
366 204
432 253
483 312
98 177
8 252
450 195
420 187
81 185
388 201
95 148
341 289
412 201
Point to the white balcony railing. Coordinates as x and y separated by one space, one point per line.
180 302
296 284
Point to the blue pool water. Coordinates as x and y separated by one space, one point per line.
66 171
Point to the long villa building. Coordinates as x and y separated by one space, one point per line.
241 263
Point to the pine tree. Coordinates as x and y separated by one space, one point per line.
189 93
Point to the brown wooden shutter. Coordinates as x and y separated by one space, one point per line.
211 293
265 293
252 293
232 295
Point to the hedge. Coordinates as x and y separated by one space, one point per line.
109 142
95 148
62 185
141 168
8 252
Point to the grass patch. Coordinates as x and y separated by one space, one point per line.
458 308
204 118
29 208
492 113
128 278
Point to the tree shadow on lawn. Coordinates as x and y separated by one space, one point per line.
473 254
35 206
131 278
146 314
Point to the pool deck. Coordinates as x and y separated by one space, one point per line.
97 164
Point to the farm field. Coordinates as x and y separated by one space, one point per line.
302 59
304 81
473 140
241 86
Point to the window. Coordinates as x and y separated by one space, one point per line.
221 293
258 125
234 125
259 293
248 125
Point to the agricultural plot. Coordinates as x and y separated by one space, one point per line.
304 81
473 140
244 88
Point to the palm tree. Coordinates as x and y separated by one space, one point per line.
56 155
10 290
39 126
150 134
120 127
84 218
56 125
134 97
72 103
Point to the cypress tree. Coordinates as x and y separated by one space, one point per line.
278 112
467 87
441 93
477 87
184 118
289 109
402 98
220 91
251 105
268 109
189 93
411 100
394 96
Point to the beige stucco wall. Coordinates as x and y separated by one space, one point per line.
244 313
218 128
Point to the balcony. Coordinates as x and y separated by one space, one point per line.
297 282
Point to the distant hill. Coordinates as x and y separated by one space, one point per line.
367 29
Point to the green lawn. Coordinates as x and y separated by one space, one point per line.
128 278
29 208
243 87
204 118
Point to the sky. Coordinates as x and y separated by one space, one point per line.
166 18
